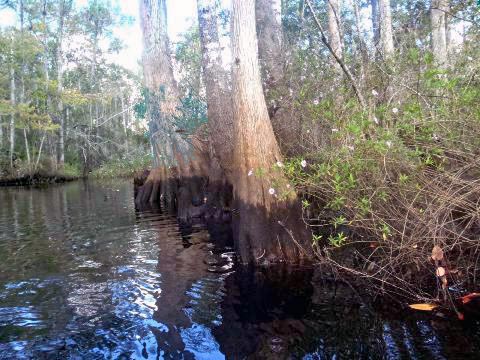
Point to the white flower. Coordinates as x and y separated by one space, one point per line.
388 143
435 137
350 147
375 120
250 173
315 102
271 191
288 186
334 130
469 58
308 131
279 164
374 92
395 110
303 163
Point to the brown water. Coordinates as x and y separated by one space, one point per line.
85 276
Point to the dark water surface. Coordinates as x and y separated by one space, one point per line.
85 276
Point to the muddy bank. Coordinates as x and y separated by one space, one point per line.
36 179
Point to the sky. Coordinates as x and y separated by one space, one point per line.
181 14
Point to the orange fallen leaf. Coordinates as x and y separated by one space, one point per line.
469 297
440 271
444 282
423 307
437 253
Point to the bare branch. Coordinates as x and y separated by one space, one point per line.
347 72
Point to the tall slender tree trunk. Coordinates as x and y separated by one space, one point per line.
40 150
47 76
1 132
45 53
268 227
12 115
386 30
375 24
124 121
336 41
22 83
27 148
62 9
361 43
448 29
439 33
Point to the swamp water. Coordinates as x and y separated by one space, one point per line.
83 275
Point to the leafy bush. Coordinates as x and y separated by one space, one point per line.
391 182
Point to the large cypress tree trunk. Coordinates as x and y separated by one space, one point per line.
161 97
219 109
219 96
181 162
268 227
270 41
272 61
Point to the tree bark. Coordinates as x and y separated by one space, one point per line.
40 150
345 69
334 30
22 83
375 24
270 41
386 31
177 157
269 227
27 148
124 121
1 132
439 34
361 43
219 97
12 115
162 96
272 59
62 10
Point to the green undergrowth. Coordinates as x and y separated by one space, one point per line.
44 169
123 168
381 187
